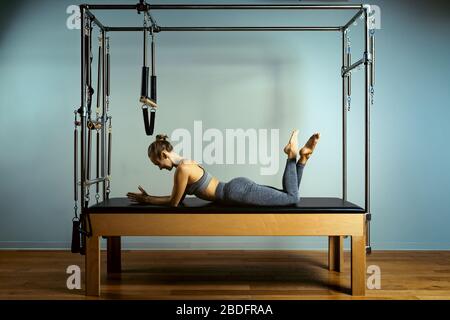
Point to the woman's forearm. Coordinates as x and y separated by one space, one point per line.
163 200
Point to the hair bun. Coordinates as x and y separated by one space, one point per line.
162 137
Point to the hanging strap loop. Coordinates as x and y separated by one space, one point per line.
148 101
149 119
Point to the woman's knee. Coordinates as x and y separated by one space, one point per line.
293 199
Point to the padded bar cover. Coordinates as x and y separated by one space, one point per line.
75 246
144 82
153 86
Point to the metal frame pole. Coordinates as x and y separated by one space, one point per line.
367 123
191 29
226 7
252 7
350 22
344 117
108 143
89 109
83 123
103 133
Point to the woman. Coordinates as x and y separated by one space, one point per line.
191 178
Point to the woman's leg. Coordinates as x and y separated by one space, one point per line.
244 191
287 175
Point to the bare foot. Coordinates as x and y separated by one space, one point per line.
291 148
309 147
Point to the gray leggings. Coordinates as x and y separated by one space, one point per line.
243 191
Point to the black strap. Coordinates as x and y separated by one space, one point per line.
149 123
75 247
85 231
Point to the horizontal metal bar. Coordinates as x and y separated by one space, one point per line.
109 29
93 181
94 19
345 71
250 28
359 14
111 6
227 7
254 7
160 29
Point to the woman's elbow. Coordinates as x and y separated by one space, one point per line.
173 204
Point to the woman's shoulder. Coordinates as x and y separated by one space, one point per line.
187 165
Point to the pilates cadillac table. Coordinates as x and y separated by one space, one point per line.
331 217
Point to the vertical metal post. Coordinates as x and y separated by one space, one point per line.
104 115
367 122
344 118
97 144
83 123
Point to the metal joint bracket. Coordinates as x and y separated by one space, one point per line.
368 217
367 58
142 6
367 7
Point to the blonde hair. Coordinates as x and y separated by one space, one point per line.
159 145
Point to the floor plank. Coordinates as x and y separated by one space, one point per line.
217 274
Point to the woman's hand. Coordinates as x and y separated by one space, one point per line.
142 197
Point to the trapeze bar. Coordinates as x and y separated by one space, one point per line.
359 14
159 29
225 7
88 183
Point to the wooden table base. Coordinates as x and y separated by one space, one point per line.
335 226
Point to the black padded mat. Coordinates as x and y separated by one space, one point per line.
196 205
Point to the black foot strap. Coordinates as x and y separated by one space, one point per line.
149 120
75 247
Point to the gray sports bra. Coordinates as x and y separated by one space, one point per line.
200 185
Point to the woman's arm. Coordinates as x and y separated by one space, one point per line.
179 187
162 201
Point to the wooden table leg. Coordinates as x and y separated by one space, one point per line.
358 266
92 266
114 264
336 253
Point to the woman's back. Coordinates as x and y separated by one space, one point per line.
200 182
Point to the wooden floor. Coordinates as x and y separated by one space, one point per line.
225 275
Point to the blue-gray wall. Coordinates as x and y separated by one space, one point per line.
231 80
